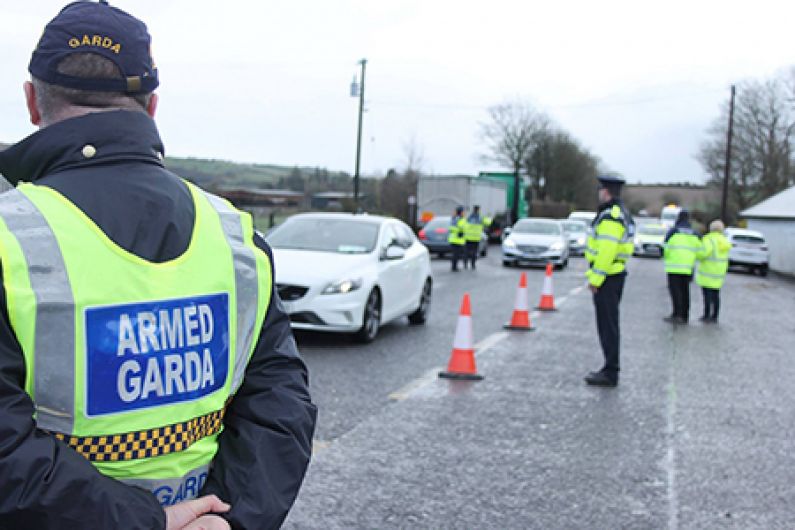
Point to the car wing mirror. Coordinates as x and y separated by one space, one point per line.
394 252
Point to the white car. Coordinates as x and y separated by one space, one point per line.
749 249
578 235
649 240
350 273
536 241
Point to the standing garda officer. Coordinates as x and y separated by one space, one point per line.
145 357
713 262
456 236
609 249
474 233
681 245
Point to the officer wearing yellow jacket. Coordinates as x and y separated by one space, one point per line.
713 263
473 235
681 245
456 236
608 250
147 368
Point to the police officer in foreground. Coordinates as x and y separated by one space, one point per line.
680 248
456 237
147 367
609 249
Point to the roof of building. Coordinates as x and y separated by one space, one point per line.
779 206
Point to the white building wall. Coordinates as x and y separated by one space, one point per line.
780 236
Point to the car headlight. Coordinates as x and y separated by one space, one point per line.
509 243
343 286
557 245
580 240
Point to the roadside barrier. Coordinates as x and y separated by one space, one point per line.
547 302
462 359
520 320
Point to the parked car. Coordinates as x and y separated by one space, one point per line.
536 241
434 236
578 236
495 230
749 250
350 273
649 240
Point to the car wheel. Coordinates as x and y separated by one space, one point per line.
421 314
506 263
371 320
763 270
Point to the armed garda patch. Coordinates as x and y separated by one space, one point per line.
156 353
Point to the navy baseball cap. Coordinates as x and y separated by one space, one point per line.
96 27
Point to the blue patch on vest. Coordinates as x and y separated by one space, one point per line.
155 353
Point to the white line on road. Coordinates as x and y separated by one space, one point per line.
481 347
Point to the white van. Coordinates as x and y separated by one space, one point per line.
588 217
669 214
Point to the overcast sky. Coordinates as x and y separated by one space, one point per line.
637 82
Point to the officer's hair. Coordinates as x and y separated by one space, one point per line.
54 101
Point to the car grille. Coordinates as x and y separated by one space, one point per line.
290 293
532 249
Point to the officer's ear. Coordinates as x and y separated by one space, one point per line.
30 100
151 107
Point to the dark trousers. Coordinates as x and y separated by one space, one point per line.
606 301
679 287
456 255
472 253
711 302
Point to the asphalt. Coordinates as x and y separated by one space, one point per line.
699 433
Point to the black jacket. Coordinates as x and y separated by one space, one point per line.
265 447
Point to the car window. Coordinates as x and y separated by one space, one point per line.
405 235
537 227
389 235
438 222
742 238
346 236
649 230
575 227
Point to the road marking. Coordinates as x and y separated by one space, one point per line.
481 347
670 454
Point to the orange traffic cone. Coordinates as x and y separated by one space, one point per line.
520 321
547 302
462 360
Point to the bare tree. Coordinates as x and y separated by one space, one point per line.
510 135
763 160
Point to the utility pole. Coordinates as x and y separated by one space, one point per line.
363 62
727 168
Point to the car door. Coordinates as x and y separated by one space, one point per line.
415 266
390 275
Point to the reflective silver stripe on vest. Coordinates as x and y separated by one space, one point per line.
710 275
599 272
246 284
682 247
609 238
169 491
717 260
54 347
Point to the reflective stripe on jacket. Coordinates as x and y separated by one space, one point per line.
713 260
456 234
609 245
129 362
680 251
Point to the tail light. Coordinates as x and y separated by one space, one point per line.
441 230
422 234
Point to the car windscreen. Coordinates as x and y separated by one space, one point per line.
438 222
575 227
537 227
743 238
326 235
647 230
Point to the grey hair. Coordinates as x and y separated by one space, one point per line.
57 103
716 226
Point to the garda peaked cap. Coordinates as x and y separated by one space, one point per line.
610 181
96 27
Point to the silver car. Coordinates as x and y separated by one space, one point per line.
578 235
536 241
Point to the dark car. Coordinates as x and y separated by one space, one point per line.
496 230
434 236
